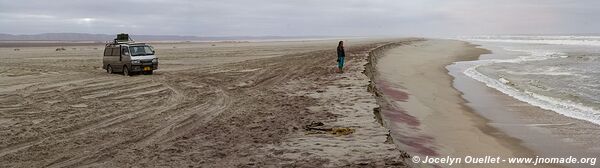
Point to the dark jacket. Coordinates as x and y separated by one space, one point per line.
340 52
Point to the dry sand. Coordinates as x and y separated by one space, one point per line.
209 105
427 115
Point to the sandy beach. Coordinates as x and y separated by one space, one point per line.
417 86
428 117
546 132
209 105
311 84
257 104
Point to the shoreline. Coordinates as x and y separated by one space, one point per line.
546 132
438 136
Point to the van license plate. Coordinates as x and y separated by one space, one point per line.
147 68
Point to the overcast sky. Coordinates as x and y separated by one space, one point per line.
300 17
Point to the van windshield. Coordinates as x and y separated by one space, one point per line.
140 50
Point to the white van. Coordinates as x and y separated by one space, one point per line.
129 58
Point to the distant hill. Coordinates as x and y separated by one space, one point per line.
106 37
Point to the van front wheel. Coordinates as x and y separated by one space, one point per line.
126 71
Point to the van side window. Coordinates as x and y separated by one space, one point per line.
116 51
107 51
125 50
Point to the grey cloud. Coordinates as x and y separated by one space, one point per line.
297 18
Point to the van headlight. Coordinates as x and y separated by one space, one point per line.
135 61
155 60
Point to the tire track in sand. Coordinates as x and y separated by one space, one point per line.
97 124
183 122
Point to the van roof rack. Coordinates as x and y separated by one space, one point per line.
122 38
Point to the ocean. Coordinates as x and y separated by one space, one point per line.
525 98
556 73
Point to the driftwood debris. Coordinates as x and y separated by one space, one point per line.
319 128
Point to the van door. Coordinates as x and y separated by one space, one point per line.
110 59
125 58
116 54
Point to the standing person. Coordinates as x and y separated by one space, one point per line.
341 55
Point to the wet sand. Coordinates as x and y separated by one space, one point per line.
545 132
428 117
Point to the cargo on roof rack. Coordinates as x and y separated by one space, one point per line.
122 38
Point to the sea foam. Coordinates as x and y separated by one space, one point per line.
565 107
557 40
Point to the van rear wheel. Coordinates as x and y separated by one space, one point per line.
109 69
126 71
